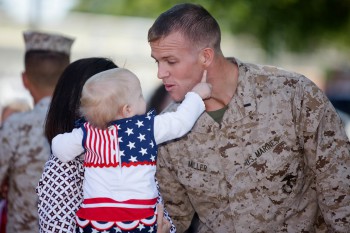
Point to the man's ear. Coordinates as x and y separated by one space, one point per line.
207 56
25 80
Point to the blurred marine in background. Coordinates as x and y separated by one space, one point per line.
23 147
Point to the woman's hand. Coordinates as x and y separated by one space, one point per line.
163 223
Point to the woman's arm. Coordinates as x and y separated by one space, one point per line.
165 224
60 194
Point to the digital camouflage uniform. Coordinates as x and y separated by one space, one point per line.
278 162
23 153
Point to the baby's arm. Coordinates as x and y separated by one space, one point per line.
171 125
68 145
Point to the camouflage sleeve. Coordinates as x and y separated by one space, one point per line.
60 193
327 152
7 138
179 206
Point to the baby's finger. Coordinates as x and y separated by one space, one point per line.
204 77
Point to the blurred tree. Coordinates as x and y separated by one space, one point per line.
295 25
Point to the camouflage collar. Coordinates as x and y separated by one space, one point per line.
241 105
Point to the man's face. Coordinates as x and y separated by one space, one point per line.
179 66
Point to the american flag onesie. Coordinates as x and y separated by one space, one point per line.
120 192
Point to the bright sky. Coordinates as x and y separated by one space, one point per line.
123 39
25 11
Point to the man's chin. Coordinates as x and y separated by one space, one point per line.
177 99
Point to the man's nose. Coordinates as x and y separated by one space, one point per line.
162 72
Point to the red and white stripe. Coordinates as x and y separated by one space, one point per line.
106 209
101 146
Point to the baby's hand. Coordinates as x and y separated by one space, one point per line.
203 89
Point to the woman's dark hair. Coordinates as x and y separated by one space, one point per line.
64 108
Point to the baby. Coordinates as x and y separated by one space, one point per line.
119 141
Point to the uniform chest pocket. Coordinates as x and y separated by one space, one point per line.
279 171
200 179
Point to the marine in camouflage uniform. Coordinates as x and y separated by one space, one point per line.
278 161
24 149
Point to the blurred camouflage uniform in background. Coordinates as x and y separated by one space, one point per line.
23 146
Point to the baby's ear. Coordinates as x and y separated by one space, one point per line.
126 111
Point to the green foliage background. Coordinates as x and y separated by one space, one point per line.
295 25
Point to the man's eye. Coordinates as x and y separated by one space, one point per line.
171 62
